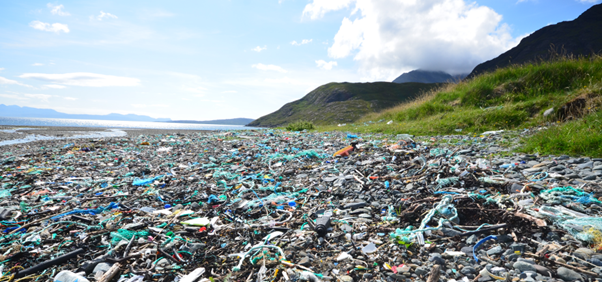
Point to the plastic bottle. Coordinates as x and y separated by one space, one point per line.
322 225
68 276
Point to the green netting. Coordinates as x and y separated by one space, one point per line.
567 195
439 152
123 234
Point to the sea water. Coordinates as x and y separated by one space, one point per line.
114 124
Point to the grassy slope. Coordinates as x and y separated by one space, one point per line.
343 102
509 98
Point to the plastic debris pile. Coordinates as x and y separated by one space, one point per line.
295 206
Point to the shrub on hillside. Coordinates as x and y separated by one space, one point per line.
300 126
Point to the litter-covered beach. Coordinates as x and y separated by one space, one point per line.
271 205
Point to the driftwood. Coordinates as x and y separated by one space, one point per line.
434 276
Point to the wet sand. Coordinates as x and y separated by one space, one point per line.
27 139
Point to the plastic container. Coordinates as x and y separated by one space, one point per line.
68 276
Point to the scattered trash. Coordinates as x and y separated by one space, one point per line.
270 205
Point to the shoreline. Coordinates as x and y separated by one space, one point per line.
11 136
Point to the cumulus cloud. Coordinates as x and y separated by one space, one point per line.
83 79
268 68
318 8
1 69
388 37
304 41
104 15
54 86
37 64
57 10
259 48
4 80
326 65
70 98
55 27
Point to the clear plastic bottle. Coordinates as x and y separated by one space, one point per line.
68 276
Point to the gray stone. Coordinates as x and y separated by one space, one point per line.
471 240
495 251
548 112
542 270
421 271
523 266
468 270
568 275
599 167
586 165
583 253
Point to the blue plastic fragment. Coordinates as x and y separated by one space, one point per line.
140 182
474 249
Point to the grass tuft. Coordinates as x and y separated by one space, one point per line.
300 126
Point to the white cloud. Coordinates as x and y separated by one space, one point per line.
197 89
4 80
83 79
70 98
55 27
55 86
16 97
1 69
57 10
326 65
268 67
259 48
37 64
149 106
229 91
318 8
39 97
390 36
304 41
589 1
105 15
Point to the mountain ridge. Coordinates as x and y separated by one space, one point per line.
579 37
29 112
425 76
343 102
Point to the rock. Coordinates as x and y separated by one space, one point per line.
468 270
542 270
304 261
568 274
583 253
495 251
597 167
548 112
586 165
523 266
471 240
421 271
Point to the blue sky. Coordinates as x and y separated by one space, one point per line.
205 60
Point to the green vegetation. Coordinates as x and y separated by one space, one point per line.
510 98
343 102
579 137
300 126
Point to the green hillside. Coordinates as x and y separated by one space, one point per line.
510 98
335 103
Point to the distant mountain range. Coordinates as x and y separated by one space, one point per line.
424 76
28 112
232 121
17 111
343 102
580 37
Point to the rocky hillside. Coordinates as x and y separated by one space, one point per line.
580 37
343 102
424 76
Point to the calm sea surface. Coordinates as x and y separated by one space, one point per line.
113 124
